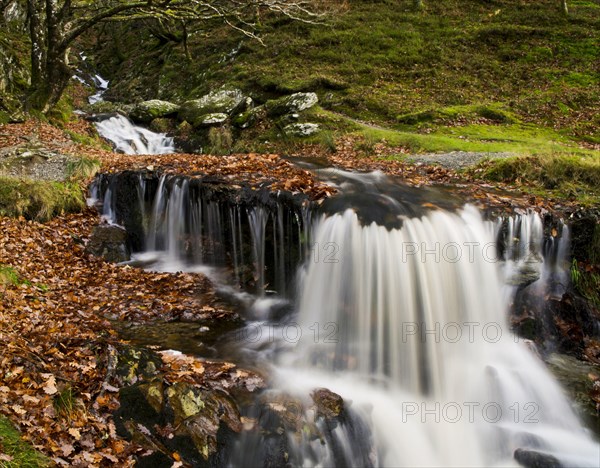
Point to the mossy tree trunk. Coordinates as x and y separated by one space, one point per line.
565 7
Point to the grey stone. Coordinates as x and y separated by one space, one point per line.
224 101
292 104
146 111
110 242
301 129
211 120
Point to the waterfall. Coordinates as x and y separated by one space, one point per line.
186 225
410 325
131 139
404 316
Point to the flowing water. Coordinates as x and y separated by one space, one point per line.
131 139
400 310
419 342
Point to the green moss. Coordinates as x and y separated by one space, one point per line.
39 200
8 276
23 454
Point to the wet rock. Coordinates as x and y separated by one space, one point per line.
146 111
527 327
292 104
533 459
301 129
582 382
136 364
199 414
225 101
329 405
110 242
528 272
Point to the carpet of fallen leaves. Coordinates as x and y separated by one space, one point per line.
54 334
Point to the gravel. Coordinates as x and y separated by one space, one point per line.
34 163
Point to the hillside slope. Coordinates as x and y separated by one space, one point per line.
383 62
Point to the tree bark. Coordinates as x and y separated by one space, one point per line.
565 7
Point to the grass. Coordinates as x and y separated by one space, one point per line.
39 200
23 454
381 60
83 168
573 177
8 276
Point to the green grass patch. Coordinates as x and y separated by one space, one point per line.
22 454
565 176
39 200
83 168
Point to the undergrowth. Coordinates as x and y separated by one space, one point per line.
39 200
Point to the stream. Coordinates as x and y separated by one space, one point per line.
393 297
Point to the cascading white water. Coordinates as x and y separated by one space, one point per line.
422 348
529 256
130 139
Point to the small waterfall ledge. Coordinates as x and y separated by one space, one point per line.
260 235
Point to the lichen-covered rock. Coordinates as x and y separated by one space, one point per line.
301 129
146 111
110 242
224 101
292 104
211 120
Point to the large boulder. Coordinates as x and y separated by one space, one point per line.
224 101
147 111
110 242
292 104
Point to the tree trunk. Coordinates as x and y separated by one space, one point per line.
418 4
565 7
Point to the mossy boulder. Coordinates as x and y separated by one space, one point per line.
211 120
224 101
248 118
147 111
292 104
301 130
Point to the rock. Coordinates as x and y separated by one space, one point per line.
528 327
292 104
528 272
110 242
248 118
533 459
329 405
100 117
211 120
225 101
146 111
301 129
162 125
